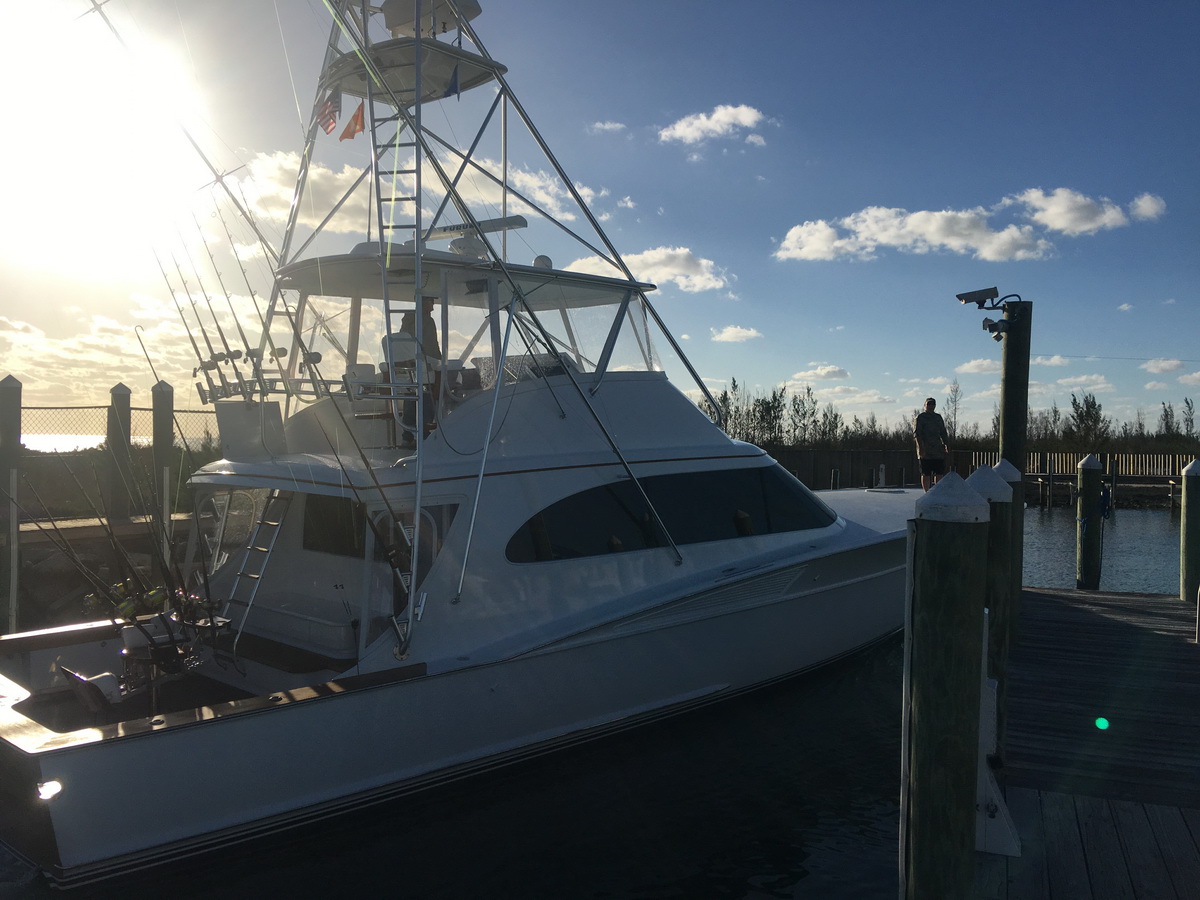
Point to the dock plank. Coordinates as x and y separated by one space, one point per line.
1103 812
1129 658
1027 877
1143 856
1102 850
1066 868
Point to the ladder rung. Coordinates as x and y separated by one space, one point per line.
268 522
248 575
396 199
399 227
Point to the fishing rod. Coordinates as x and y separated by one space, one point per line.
214 362
131 573
277 353
185 451
63 545
156 548
232 312
230 355
145 352
203 366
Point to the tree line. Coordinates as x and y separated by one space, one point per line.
781 417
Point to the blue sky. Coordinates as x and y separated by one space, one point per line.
809 183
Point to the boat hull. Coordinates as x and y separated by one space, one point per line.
136 794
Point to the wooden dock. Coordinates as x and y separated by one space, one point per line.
1103 812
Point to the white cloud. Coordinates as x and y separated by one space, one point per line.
626 203
1159 366
847 395
660 265
1147 207
735 334
1125 307
1194 378
1071 212
822 372
599 127
864 232
970 231
1155 386
1055 360
723 121
1096 384
756 140
979 367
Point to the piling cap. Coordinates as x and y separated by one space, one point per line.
1090 462
1007 471
953 500
1192 468
990 486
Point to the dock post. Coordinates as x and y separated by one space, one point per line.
162 401
1089 525
118 439
993 488
943 658
10 523
1189 534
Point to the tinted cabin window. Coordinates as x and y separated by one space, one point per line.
695 507
334 525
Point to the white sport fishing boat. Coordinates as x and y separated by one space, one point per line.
496 529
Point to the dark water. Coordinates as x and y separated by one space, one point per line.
791 792
1140 550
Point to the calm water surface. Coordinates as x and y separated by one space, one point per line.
1140 550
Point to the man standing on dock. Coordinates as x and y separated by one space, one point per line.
933 444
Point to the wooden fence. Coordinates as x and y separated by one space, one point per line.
821 469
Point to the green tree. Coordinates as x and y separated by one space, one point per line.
1087 428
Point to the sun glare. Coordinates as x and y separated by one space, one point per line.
97 167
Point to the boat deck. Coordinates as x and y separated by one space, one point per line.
62 711
1103 813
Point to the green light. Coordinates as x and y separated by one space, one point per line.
1102 723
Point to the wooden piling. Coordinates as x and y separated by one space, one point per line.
1000 596
118 438
943 657
1189 534
1089 525
10 531
162 397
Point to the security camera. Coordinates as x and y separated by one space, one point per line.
979 298
996 329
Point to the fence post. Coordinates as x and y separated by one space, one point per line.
1189 534
1089 525
162 402
118 438
943 658
990 485
10 523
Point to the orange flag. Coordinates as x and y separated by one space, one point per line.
355 125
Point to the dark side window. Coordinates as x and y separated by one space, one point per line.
694 506
334 525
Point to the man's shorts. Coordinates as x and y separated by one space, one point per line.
933 466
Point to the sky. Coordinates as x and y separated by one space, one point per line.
808 183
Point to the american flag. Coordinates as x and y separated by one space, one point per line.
327 115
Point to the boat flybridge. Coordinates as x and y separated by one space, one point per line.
461 513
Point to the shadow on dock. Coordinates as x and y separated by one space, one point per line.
1114 811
